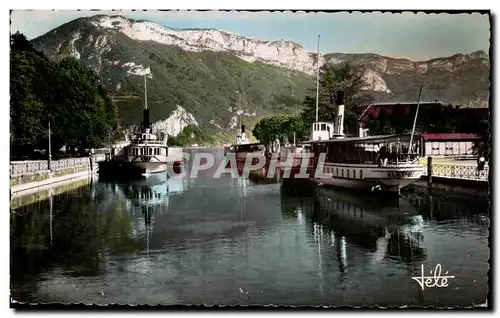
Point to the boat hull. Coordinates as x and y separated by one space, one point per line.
389 179
344 183
287 153
150 167
241 156
126 170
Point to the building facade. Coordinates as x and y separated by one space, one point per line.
448 144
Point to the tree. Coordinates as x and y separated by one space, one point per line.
280 127
19 43
401 119
66 93
297 125
87 108
28 90
269 129
333 78
381 124
190 135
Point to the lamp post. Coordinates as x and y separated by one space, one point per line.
50 152
238 111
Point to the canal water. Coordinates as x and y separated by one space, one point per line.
246 242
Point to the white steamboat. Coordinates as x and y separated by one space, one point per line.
373 162
147 151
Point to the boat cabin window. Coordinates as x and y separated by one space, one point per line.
323 127
249 148
361 151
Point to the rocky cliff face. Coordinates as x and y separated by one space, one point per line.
459 79
176 122
202 69
199 70
279 53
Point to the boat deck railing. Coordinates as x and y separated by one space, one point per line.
148 141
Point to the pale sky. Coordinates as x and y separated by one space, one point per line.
408 35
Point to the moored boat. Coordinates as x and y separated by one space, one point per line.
243 147
145 154
374 162
241 151
352 163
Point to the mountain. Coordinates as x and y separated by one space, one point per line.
197 72
461 79
203 84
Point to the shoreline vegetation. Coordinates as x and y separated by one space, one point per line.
348 79
63 94
84 115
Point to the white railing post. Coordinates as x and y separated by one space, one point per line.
27 168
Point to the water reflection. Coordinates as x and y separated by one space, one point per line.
237 241
385 228
447 208
151 198
76 231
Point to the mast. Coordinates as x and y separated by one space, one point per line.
145 93
414 123
145 112
239 111
317 82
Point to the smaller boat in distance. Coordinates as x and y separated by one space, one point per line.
241 151
242 147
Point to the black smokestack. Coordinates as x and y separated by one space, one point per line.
242 128
339 100
145 118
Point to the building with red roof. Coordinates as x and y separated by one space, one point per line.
367 112
432 144
392 108
448 144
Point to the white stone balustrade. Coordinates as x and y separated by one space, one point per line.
19 168
28 168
